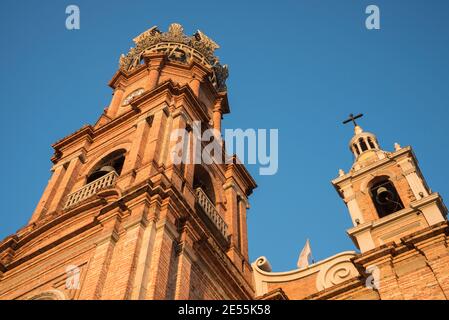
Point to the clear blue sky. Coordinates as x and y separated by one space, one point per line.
299 66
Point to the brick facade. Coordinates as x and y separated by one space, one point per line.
142 234
119 219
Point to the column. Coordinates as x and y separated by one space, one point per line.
179 123
136 152
121 276
388 283
143 266
243 203
184 267
353 206
98 266
162 259
189 166
197 75
155 64
414 181
368 147
66 184
231 213
217 116
52 186
156 136
195 85
358 147
116 101
437 256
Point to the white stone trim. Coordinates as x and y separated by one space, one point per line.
331 271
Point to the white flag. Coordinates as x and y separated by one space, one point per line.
306 253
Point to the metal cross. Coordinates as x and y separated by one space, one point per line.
352 118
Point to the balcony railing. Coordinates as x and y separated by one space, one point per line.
211 212
91 189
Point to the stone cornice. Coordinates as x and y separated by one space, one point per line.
224 102
174 90
88 132
276 294
123 75
413 209
236 169
391 157
389 250
340 288
36 253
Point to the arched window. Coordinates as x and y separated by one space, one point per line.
385 197
202 179
49 295
112 162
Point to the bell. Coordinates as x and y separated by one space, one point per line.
101 172
384 196
107 169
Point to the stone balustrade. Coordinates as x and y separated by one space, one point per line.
91 189
211 211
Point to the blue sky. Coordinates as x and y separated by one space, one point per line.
298 66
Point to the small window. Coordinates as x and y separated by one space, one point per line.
385 198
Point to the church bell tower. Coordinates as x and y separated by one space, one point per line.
385 192
119 217
399 224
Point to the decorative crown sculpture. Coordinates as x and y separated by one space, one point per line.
178 47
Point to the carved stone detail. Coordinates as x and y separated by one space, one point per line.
335 273
263 264
178 47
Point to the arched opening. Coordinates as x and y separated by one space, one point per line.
202 179
371 143
362 144
356 150
112 162
49 295
385 197
206 204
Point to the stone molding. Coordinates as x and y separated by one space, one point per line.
330 272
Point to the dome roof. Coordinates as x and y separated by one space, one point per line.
365 147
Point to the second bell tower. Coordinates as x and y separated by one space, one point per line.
386 193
